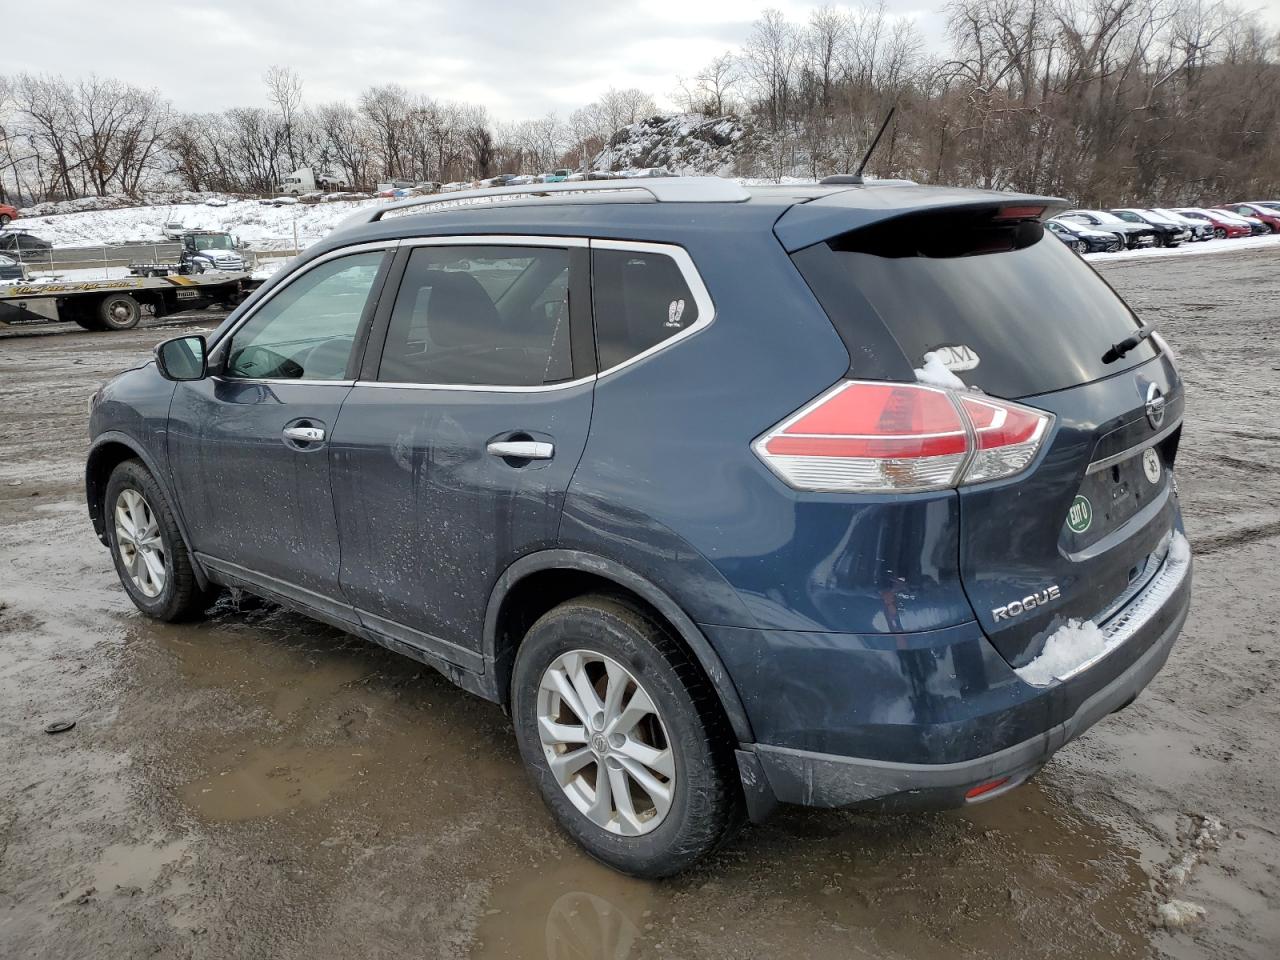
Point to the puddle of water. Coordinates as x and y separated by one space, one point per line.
138 865
305 713
272 781
574 910
1019 874
359 754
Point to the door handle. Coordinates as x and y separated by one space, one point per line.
522 449
304 434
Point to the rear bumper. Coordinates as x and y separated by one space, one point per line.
824 780
1053 716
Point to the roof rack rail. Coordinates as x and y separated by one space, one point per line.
657 189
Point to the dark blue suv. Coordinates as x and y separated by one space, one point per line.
840 495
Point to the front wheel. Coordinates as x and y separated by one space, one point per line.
150 556
624 738
5 220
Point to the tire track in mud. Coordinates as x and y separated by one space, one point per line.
1234 538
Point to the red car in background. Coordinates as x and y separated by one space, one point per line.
1258 211
7 213
1222 227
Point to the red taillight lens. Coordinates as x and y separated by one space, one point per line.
1007 437
871 436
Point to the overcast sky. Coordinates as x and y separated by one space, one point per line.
518 59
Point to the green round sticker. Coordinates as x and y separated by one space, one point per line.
1080 516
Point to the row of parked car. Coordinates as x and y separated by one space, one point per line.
1130 228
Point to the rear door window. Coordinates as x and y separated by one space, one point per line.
1035 316
640 299
481 315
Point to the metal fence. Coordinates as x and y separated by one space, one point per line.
117 258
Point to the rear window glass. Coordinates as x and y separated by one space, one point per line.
1033 314
640 299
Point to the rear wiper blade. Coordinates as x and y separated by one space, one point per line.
1118 350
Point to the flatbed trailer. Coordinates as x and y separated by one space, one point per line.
118 304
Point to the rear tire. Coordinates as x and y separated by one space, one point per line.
119 311
150 556
1219 233
5 220
663 824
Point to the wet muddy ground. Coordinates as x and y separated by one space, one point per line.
258 785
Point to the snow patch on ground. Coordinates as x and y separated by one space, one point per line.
116 201
1179 914
262 227
935 372
1191 249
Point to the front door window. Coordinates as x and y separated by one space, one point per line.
308 329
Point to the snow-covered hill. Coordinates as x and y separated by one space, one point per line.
683 144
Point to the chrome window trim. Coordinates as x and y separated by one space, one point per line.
475 387
312 383
684 263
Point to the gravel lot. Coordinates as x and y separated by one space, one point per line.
259 785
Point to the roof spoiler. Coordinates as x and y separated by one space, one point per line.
837 213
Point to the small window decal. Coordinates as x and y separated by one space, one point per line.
674 313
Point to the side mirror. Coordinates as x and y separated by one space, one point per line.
182 358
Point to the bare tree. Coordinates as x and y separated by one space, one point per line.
284 90
478 137
710 91
387 110
347 138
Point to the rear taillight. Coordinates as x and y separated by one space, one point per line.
872 436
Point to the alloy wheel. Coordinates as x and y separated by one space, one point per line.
605 743
139 543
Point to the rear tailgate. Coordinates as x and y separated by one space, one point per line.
1011 312
1091 520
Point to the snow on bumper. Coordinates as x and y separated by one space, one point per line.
1079 644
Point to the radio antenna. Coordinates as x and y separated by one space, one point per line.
874 143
